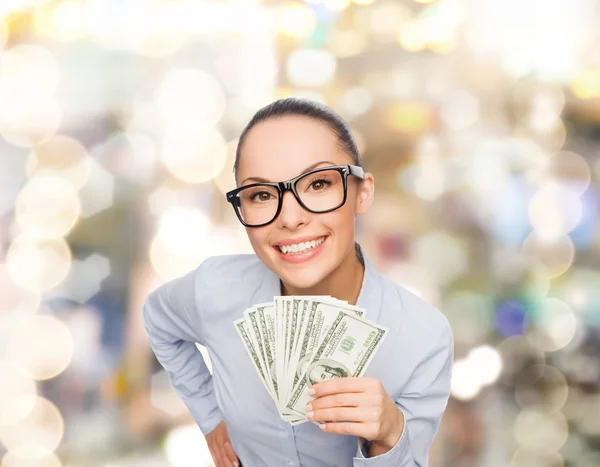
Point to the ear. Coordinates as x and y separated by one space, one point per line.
365 194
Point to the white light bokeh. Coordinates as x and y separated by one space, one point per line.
486 362
185 446
30 455
43 425
47 207
295 20
190 95
459 110
554 210
541 433
556 253
542 388
16 303
16 384
555 326
38 265
310 67
466 383
194 154
61 156
43 346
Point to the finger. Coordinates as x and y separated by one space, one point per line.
346 399
216 457
339 385
231 454
361 430
344 414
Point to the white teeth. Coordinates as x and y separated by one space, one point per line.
301 247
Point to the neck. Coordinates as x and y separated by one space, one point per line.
344 283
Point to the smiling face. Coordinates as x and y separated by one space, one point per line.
283 148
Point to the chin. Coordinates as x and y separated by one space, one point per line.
303 281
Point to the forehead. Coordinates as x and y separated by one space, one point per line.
281 148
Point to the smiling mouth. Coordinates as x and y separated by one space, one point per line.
299 248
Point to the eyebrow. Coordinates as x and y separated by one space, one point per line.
306 169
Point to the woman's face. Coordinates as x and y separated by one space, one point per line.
281 149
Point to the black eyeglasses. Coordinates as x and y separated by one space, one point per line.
321 190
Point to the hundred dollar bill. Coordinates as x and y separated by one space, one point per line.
240 326
320 315
346 350
264 315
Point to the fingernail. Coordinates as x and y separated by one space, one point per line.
311 391
309 407
236 463
309 414
322 426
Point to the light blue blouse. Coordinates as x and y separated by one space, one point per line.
414 365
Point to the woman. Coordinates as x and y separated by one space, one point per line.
386 418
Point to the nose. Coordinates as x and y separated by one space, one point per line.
292 215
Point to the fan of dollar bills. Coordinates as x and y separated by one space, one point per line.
297 341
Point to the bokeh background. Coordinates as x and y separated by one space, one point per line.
480 120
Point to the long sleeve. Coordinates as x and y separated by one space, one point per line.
422 402
173 336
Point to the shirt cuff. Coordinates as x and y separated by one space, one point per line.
393 458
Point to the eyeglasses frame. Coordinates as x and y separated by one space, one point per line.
290 185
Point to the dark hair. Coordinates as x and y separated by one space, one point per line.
303 108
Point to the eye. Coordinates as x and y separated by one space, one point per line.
261 196
319 184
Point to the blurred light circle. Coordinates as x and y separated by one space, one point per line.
34 122
541 432
16 384
30 455
182 229
587 84
66 21
470 314
311 67
43 346
356 101
185 446
182 242
16 304
466 383
60 156
556 253
459 110
47 207
526 458
194 154
187 94
296 20
225 180
38 265
555 326
569 169
43 426
412 36
409 117
551 140
541 388
348 42
487 363
538 103
554 210
23 65
155 33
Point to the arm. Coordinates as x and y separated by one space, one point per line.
392 433
421 406
172 336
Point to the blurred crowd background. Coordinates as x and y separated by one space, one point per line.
480 120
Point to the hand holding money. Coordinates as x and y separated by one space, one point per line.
360 407
295 342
